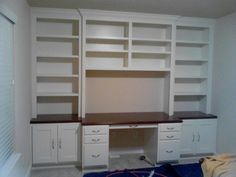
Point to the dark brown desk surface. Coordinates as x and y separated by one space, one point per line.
56 118
122 118
128 118
193 115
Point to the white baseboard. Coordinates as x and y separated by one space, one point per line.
28 172
12 165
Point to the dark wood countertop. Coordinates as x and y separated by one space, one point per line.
128 118
56 118
193 115
122 118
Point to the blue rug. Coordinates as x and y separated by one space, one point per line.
188 170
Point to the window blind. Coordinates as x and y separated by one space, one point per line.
6 90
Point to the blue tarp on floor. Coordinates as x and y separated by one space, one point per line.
166 170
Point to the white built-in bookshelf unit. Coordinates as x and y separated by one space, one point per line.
193 66
56 62
119 62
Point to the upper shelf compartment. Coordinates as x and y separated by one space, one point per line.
151 32
192 35
151 46
49 27
106 29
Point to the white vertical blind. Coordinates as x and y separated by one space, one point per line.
6 90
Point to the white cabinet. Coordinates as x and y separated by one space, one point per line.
55 143
168 148
198 137
95 144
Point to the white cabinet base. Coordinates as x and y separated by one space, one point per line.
198 137
56 143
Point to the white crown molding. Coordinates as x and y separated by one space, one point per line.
55 12
126 15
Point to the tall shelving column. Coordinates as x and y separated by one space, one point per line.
56 66
193 58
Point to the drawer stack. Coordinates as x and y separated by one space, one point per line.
168 148
95 146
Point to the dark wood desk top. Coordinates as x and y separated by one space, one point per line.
122 118
128 118
193 115
56 118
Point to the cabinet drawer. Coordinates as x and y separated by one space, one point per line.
95 130
169 150
169 135
170 127
95 155
95 139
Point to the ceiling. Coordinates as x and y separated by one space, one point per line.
193 8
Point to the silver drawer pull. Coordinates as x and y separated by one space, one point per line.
53 144
96 156
96 140
59 143
170 128
95 131
193 138
170 136
133 126
169 151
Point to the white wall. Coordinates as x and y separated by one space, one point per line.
22 82
224 83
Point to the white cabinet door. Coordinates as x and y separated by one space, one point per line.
206 136
198 136
44 143
68 142
187 145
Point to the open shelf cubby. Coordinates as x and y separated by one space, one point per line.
190 103
106 44
192 34
127 91
56 105
150 31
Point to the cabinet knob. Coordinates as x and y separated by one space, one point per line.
170 136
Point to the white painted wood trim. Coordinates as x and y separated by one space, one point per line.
8 14
172 73
210 69
90 12
28 172
67 14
